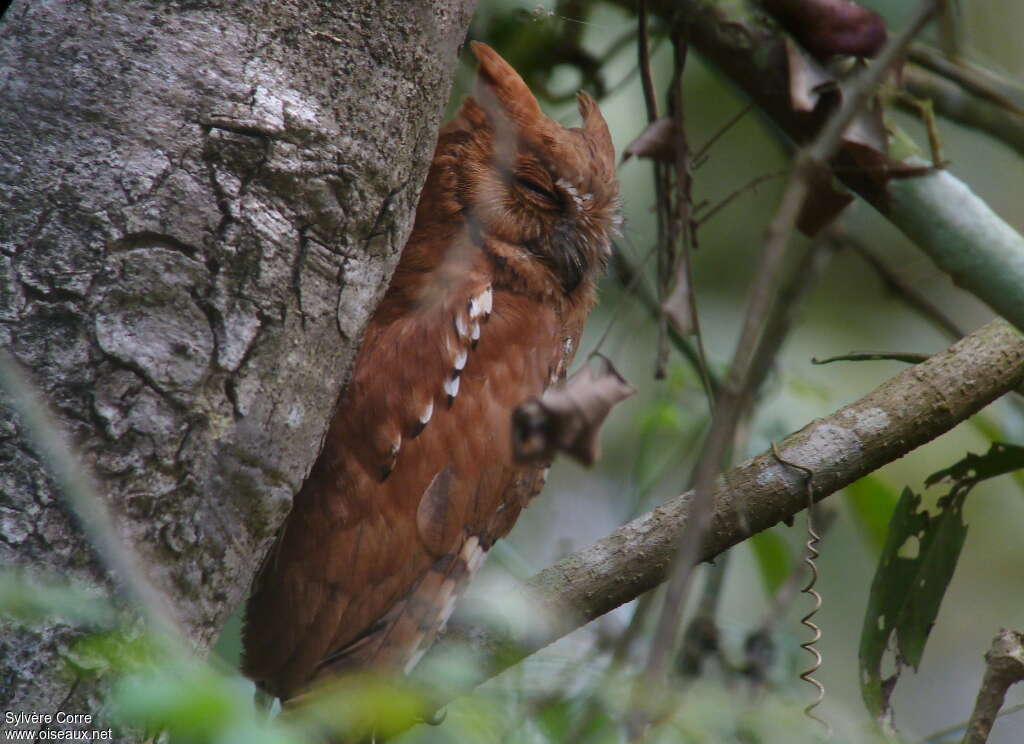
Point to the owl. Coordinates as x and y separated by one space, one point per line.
416 480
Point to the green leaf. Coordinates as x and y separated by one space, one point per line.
556 719
116 651
771 552
196 704
1000 459
872 503
360 703
917 563
28 599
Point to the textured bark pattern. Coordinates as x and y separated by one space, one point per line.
200 204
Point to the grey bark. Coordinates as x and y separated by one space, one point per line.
200 204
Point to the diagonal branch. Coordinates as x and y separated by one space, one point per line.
912 408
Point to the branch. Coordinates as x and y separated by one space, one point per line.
1004 666
910 409
1007 93
630 280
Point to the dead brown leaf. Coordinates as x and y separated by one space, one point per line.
657 142
809 81
678 306
568 417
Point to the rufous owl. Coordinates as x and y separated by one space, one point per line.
416 479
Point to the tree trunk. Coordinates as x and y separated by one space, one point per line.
200 204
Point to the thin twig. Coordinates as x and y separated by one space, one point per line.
631 284
964 106
909 357
1000 90
874 356
957 727
700 638
661 191
910 296
698 157
628 279
751 185
902 289
951 30
644 61
683 232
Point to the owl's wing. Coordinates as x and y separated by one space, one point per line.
411 488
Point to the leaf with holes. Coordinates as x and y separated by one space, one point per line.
920 554
999 460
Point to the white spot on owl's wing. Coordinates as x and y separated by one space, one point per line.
451 387
460 360
428 411
472 553
461 326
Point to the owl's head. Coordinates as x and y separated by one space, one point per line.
527 181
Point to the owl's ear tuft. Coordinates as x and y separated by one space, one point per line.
595 129
498 84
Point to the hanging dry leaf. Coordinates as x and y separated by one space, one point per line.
656 142
809 82
863 151
678 306
568 417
